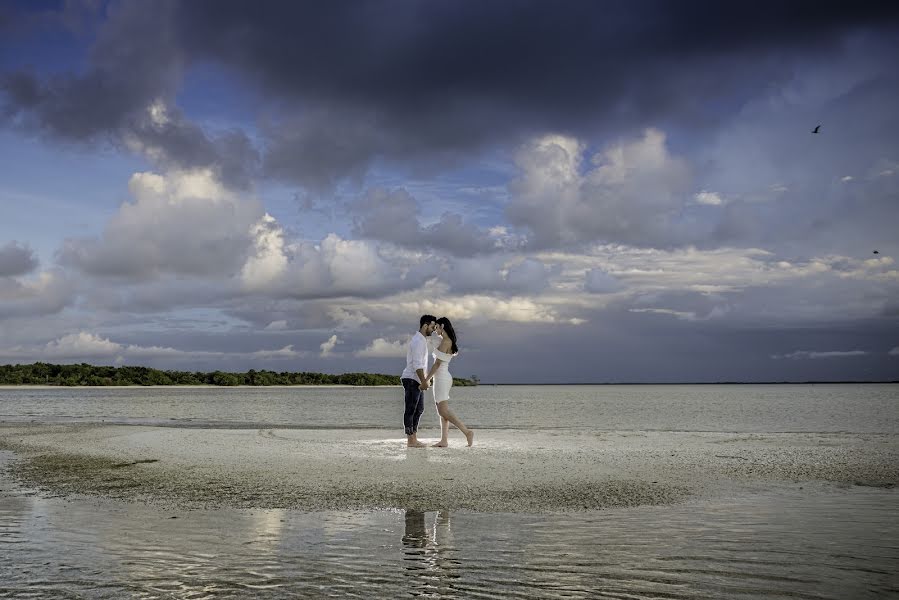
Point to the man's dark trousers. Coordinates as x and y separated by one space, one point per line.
415 405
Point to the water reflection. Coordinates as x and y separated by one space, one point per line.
840 544
415 535
429 554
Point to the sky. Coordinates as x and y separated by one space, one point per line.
591 192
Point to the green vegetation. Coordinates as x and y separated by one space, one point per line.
85 374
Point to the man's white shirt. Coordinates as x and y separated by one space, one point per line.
417 354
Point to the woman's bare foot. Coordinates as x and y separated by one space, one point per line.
469 435
441 444
416 444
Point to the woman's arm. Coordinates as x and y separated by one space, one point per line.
434 341
433 370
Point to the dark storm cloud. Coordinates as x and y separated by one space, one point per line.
179 143
133 60
134 63
412 80
412 57
349 82
16 259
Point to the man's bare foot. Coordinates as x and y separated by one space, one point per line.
469 435
416 445
440 444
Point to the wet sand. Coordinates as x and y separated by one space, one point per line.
506 470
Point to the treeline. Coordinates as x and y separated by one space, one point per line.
85 374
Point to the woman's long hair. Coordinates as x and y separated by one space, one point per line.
448 329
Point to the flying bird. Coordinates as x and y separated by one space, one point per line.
876 252
815 130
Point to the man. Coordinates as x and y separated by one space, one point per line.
413 378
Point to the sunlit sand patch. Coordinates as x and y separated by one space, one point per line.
507 471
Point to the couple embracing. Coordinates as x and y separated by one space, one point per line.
435 336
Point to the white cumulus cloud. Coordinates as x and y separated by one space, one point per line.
268 261
708 198
81 344
182 222
383 348
328 345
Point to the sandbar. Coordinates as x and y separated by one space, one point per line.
505 471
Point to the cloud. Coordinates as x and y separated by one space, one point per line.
347 319
145 69
708 198
383 348
809 354
46 293
91 347
269 260
337 267
16 259
82 344
789 191
509 69
393 216
193 238
715 313
502 274
631 213
599 281
634 193
478 308
894 351
165 137
183 223
287 352
328 345
279 325
77 106
166 293
527 276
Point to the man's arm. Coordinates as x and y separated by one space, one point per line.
420 361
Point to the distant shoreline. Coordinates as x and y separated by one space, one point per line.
198 386
482 384
700 383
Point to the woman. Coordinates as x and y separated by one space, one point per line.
443 381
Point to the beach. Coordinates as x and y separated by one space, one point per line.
506 470
568 492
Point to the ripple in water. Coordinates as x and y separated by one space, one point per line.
836 544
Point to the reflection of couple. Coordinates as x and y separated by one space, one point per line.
429 556
438 336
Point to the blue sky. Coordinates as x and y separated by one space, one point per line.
615 192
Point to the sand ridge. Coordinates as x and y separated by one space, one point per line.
507 470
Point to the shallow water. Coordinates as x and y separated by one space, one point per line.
814 541
856 408
834 543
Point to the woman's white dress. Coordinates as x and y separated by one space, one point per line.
443 381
